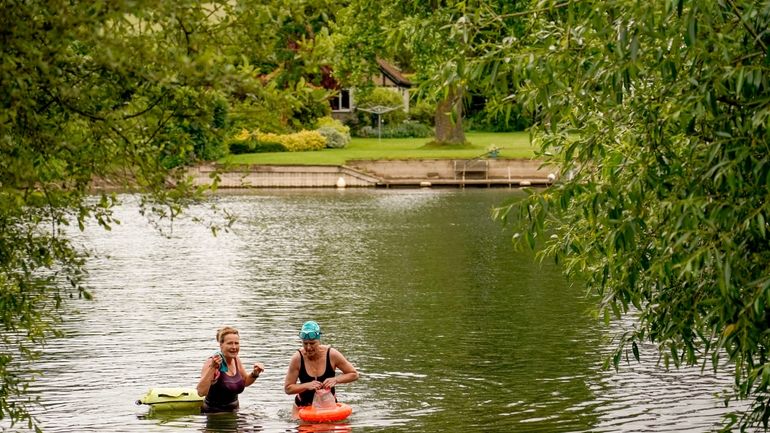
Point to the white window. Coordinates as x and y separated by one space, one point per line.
341 101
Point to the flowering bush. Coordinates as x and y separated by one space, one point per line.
256 142
296 142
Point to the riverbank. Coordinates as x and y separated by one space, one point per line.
456 173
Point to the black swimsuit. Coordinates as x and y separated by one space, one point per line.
305 398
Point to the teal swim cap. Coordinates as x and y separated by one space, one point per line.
310 331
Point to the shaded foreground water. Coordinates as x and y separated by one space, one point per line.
450 328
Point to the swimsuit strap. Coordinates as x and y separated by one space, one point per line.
329 360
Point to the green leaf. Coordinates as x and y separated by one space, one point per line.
729 329
675 355
530 240
691 34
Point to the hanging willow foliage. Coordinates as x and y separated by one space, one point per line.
657 115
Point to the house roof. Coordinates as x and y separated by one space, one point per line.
393 73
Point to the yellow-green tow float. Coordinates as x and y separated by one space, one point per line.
172 399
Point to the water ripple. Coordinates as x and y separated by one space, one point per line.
450 328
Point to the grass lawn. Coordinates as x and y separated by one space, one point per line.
512 145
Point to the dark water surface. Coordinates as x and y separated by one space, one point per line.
450 328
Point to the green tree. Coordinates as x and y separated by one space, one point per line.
421 29
436 38
288 45
112 93
657 115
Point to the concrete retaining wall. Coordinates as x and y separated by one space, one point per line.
454 169
377 173
284 176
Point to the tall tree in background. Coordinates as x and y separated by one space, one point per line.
288 45
657 115
374 29
436 37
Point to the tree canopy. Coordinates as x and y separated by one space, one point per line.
117 94
657 115
421 32
435 40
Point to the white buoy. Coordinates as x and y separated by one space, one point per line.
341 182
425 184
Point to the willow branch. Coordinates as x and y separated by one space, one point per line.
534 11
748 28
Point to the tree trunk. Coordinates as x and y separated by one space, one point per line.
449 119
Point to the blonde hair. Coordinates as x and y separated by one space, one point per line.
224 331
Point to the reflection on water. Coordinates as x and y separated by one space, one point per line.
450 328
324 428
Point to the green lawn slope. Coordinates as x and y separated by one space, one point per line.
512 145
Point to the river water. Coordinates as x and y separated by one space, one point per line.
449 326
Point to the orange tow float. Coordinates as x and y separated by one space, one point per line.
312 414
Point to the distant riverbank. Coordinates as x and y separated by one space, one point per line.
382 173
507 145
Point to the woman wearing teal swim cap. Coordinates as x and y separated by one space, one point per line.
315 367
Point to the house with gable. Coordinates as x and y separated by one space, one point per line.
388 77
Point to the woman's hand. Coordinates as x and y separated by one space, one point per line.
258 369
330 382
216 362
314 385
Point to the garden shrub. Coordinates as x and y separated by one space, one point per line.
241 143
415 129
492 121
259 142
308 108
268 146
296 142
402 130
251 145
248 142
334 123
271 114
238 147
423 112
334 138
367 131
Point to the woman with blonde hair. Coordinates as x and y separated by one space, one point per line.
223 376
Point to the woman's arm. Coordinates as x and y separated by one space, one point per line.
290 385
251 377
349 373
208 375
